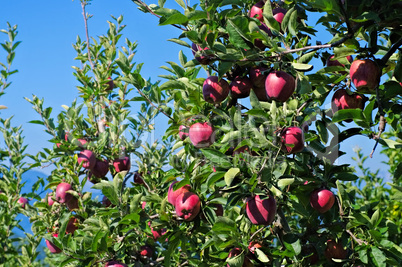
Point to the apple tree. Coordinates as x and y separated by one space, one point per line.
247 171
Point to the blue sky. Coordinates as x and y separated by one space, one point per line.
48 28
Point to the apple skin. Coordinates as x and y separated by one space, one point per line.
52 247
240 87
61 193
100 169
72 204
292 136
279 13
253 245
183 132
72 225
201 134
106 202
215 90
365 75
310 250
157 233
146 251
342 100
187 206
256 11
322 200
257 42
261 211
203 59
334 250
115 264
137 179
280 85
336 63
110 84
173 194
257 77
50 200
22 201
87 158
122 164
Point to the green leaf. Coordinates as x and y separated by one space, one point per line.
292 25
269 19
108 190
376 218
282 183
180 42
217 158
322 131
377 256
261 255
176 18
230 175
302 67
237 28
224 224
344 114
398 68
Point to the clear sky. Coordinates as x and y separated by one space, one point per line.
48 28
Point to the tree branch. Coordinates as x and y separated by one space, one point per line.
83 4
392 50
150 102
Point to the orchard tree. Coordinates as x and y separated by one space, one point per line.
246 173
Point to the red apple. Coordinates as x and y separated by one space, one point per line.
72 204
240 87
365 75
115 264
334 250
80 142
215 90
253 245
110 84
138 178
87 158
183 132
218 210
187 206
322 200
279 13
100 169
342 100
280 85
50 200
261 211
22 201
305 126
335 63
106 202
257 42
143 204
292 139
202 134
257 77
146 251
52 247
173 194
310 253
122 164
256 11
157 233
72 225
61 193
203 59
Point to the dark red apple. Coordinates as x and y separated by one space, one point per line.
22 201
173 194
365 75
279 13
72 225
203 59
322 200
292 139
257 42
146 251
256 11
280 85
334 250
187 206
106 202
305 126
342 100
240 87
137 179
157 233
110 84
61 193
122 164
100 169
202 134
218 210
87 158
115 264
257 77
72 204
261 211
215 90
52 247
336 63
310 253
183 132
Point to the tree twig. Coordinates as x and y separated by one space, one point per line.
150 102
392 50
358 240
83 4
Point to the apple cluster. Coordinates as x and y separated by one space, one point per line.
187 204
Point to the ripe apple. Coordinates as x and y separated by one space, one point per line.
292 136
253 245
106 202
22 201
280 85
256 11
279 13
87 158
342 100
322 200
240 87
257 77
203 59
157 233
52 247
80 142
146 251
202 134
183 132
219 210
100 169
305 126
143 204
50 200
334 250
257 42
173 194
72 204
310 253
115 264
110 84
335 63
61 193
138 178
72 226
187 206
365 75
215 90
122 164
261 211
